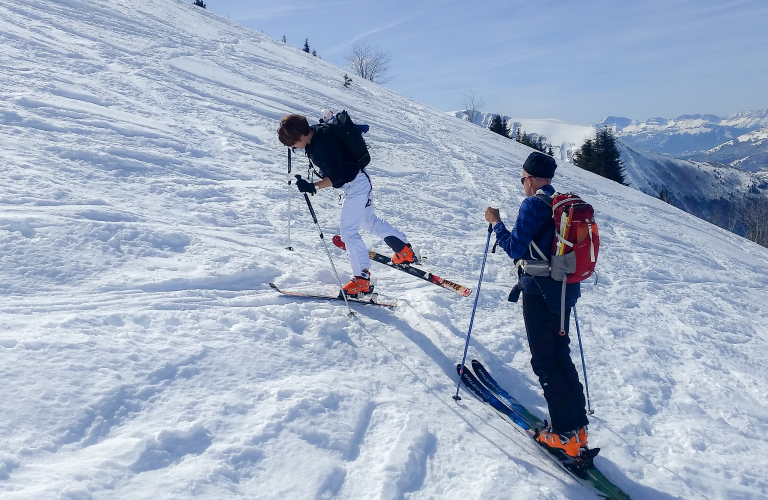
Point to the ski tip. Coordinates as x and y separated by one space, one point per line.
272 285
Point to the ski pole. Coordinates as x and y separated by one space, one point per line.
289 247
341 288
583 364
472 319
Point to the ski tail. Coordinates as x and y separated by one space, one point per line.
493 386
486 396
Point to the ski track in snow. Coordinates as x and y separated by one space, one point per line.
144 355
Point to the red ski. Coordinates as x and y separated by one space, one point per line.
410 269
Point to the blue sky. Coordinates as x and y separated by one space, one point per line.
574 61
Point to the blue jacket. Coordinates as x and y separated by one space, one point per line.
534 223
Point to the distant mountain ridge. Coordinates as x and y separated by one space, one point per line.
711 185
692 136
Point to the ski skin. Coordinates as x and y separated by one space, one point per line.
496 397
364 300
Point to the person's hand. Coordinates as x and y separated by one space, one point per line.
305 186
492 215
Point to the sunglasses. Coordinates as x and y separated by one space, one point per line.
522 179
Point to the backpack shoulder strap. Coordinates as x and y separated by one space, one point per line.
540 194
533 246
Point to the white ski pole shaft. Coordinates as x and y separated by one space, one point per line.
333 266
289 247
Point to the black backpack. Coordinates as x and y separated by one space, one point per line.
351 137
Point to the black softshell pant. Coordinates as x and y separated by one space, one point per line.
551 362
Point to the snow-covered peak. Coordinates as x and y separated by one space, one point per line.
748 152
686 135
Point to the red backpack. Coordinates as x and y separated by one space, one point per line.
574 247
575 233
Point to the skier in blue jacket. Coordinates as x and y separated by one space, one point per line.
550 351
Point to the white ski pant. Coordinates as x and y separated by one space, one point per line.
357 212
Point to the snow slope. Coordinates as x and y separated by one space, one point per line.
143 355
695 181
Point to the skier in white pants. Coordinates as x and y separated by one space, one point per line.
331 155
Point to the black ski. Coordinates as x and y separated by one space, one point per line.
582 469
366 299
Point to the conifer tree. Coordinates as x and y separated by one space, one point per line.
497 126
585 157
306 45
200 3
528 140
601 156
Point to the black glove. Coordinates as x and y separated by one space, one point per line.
305 186
514 295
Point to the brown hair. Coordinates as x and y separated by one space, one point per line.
292 127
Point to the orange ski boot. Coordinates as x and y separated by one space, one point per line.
404 256
571 442
359 284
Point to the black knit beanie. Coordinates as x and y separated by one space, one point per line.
540 165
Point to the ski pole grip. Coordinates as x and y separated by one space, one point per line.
490 228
